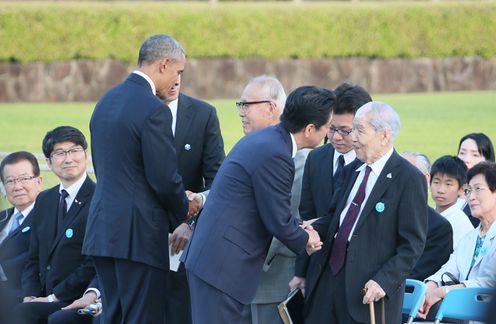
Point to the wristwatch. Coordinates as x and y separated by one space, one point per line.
51 298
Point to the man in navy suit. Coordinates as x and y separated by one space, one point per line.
248 204
139 192
200 151
56 272
20 175
378 230
324 167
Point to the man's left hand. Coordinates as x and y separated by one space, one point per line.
43 299
373 293
88 298
179 238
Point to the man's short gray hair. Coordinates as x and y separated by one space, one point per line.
158 47
421 161
271 88
382 117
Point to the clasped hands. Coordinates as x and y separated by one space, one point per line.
195 203
314 243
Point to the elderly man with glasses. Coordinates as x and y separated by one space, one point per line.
20 175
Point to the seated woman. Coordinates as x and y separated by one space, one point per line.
473 262
472 149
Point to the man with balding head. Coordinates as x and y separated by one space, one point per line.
279 263
377 232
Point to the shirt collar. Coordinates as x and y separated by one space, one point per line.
147 78
348 156
73 189
295 148
25 212
378 165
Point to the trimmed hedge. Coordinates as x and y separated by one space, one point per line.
63 31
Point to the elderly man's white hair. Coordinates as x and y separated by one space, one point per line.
272 88
381 116
421 161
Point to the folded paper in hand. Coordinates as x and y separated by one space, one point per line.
291 309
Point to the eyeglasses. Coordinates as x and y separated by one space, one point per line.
61 154
244 105
340 131
21 180
468 190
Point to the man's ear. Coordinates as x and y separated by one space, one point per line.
163 64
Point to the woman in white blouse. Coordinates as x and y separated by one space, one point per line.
473 263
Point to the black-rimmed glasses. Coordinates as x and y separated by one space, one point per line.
243 105
21 180
340 131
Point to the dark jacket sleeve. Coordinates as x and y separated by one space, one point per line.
31 285
159 156
70 288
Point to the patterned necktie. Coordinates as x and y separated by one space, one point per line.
62 209
338 253
17 222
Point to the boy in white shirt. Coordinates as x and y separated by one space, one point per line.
448 176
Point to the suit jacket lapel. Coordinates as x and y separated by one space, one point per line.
78 203
383 182
183 122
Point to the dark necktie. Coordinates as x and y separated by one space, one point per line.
62 209
339 169
338 253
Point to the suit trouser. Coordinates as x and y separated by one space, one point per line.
35 312
71 316
261 314
178 305
329 300
209 305
132 292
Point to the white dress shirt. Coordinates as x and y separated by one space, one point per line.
459 222
376 167
72 190
348 158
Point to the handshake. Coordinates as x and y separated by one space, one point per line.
314 243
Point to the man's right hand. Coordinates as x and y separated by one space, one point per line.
88 298
314 243
297 282
28 299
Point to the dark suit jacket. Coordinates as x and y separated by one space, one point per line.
138 187
438 247
385 245
55 263
317 193
199 144
14 251
248 204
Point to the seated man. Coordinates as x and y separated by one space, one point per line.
57 273
20 175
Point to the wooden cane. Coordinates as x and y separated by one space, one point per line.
371 308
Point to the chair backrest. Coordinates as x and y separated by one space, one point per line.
413 299
466 304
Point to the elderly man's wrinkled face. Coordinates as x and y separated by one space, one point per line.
368 143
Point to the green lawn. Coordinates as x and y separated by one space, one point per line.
432 123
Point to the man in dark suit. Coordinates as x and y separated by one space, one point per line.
439 242
139 192
324 166
248 204
57 272
20 175
377 233
278 267
200 151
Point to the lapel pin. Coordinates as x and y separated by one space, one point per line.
77 201
379 207
69 233
25 229
389 175
187 147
